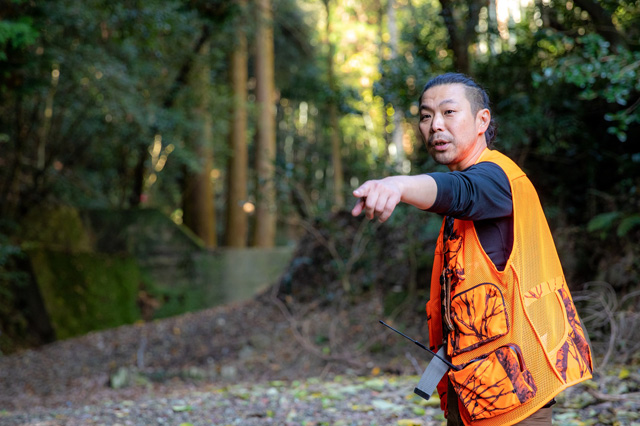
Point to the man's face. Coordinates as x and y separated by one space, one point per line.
454 136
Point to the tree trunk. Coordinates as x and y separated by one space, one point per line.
140 170
265 229
463 33
397 136
236 220
334 125
198 194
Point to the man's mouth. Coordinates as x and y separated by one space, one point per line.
438 139
440 144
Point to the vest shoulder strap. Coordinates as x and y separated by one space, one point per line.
510 168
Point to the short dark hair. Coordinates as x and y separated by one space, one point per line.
476 95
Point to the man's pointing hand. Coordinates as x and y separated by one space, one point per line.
377 199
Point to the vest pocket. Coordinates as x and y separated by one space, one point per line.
494 384
479 316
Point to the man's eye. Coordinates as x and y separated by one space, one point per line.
425 117
449 111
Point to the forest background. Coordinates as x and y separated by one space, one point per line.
250 123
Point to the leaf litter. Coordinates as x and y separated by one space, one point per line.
340 401
240 365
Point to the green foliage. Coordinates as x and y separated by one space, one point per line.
16 35
627 224
602 222
422 53
108 73
601 73
84 292
606 222
297 75
13 284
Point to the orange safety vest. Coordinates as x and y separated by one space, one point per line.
515 333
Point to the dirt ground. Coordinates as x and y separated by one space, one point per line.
269 360
260 340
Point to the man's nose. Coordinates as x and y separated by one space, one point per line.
437 123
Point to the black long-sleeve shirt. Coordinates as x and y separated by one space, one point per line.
481 194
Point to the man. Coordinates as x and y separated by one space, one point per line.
499 302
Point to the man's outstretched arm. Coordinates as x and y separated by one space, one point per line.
379 198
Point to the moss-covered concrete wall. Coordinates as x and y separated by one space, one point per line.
181 274
83 292
104 268
243 272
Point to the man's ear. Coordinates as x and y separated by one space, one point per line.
483 118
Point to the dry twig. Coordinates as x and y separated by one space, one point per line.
305 342
601 308
357 249
633 396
